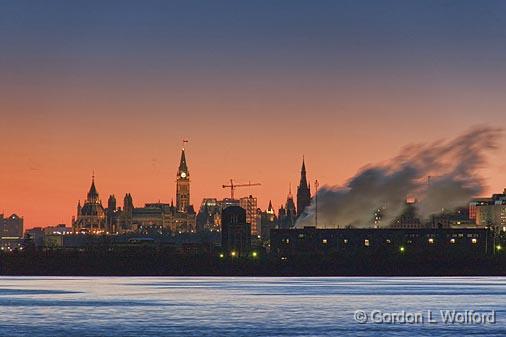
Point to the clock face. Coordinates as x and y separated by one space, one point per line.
183 174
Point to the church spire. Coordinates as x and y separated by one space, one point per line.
303 190
303 179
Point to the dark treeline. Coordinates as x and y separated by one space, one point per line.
145 262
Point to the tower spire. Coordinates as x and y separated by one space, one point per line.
183 183
93 194
183 167
303 190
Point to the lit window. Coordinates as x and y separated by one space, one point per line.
388 241
366 242
452 240
324 241
431 240
474 241
345 240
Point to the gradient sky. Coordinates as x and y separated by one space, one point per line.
113 86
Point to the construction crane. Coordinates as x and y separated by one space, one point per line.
233 186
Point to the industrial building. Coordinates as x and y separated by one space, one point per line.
310 240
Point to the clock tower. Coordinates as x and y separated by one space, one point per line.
182 185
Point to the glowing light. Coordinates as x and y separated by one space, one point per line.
402 249
222 256
233 253
474 241
498 247
431 240
254 254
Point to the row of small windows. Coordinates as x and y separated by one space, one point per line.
367 242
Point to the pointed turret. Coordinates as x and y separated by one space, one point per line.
128 203
290 205
92 194
111 202
270 209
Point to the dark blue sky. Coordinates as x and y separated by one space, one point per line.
303 35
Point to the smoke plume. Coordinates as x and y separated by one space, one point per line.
440 175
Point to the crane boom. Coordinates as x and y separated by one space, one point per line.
233 186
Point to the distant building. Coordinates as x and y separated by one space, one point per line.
209 215
268 222
408 218
91 217
250 205
235 232
474 204
303 191
489 211
287 214
11 227
60 229
113 215
492 215
36 236
454 219
226 202
310 240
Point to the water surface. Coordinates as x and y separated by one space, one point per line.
242 306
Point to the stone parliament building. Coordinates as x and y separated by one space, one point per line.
92 217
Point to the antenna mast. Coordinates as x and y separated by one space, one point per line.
316 203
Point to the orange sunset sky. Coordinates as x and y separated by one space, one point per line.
115 90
